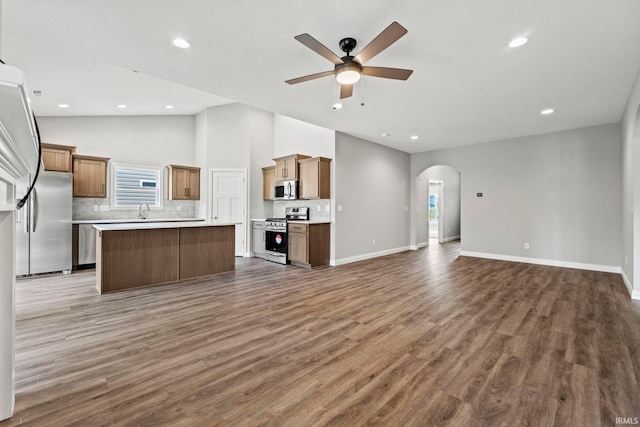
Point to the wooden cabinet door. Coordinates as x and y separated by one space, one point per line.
315 178
280 166
290 168
89 177
309 180
56 159
268 183
179 183
259 242
298 247
184 183
193 184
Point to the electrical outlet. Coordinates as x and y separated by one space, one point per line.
96 207
526 245
327 208
179 208
626 260
318 208
339 208
104 208
373 242
406 208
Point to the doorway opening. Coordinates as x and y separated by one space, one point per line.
439 201
435 205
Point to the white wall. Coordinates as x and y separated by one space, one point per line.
235 136
261 136
560 192
451 202
372 186
144 140
291 136
631 191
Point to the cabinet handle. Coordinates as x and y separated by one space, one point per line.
188 192
102 187
264 233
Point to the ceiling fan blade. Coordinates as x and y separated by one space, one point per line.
318 48
386 38
310 77
387 73
346 91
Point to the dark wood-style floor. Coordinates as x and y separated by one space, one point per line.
414 339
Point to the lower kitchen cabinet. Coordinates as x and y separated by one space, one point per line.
259 239
309 244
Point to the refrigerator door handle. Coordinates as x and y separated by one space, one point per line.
33 209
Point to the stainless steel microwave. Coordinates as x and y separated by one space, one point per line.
287 190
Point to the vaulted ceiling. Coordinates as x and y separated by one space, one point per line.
468 86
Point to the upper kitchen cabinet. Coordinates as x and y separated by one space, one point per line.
268 182
58 158
287 167
89 176
184 182
315 178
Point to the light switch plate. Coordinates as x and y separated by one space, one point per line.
104 208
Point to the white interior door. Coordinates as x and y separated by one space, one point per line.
228 202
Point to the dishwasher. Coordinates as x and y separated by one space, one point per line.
86 245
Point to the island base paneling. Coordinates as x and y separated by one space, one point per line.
134 258
206 251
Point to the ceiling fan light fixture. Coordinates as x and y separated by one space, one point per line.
348 74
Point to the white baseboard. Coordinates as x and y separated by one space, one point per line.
627 283
633 293
357 258
449 239
549 262
419 246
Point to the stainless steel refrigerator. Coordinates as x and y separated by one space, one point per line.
43 228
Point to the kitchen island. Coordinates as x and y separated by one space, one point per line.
144 254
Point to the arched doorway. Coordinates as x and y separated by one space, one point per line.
438 209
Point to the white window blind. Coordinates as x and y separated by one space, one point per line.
134 185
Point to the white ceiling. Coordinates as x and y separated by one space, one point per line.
467 85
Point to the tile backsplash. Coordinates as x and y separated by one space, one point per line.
324 205
83 208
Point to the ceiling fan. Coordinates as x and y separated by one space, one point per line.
349 69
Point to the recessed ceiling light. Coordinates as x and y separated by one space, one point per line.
547 111
122 106
337 106
414 137
518 41
385 134
63 105
181 43
169 107
29 100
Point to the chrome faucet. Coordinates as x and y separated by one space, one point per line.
141 213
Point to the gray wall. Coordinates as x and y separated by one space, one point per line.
631 190
561 192
451 202
372 188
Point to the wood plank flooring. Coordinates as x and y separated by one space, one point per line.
419 338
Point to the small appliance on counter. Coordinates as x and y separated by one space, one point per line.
276 241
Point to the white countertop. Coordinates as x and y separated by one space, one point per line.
155 225
127 221
258 219
312 221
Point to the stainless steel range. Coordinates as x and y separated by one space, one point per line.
276 242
